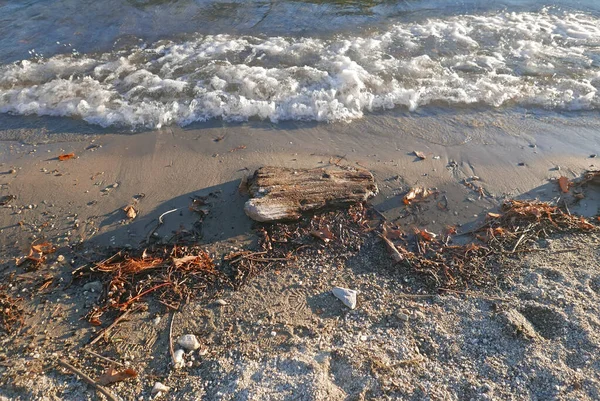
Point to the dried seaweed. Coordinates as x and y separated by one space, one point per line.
11 312
519 225
176 275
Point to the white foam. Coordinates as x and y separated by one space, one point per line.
532 59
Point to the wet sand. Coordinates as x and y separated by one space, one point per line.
511 154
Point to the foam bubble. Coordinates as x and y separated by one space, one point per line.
530 59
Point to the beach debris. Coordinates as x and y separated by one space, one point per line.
159 389
189 342
11 312
396 255
426 235
417 194
12 171
110 396
221 302
517 227
348 297
241 147
37 253
280 193
324 234
593 156
469 183
6 199
564 184
521 164
130 212
178 274
66 156
113 376
420 154
178 361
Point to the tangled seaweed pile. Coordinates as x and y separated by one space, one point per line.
515 229
176 275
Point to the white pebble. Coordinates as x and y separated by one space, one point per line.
178 358
189 342
159 388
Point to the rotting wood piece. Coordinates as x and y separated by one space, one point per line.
280 193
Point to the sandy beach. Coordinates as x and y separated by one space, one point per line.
283 336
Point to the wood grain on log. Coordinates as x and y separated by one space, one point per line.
280 193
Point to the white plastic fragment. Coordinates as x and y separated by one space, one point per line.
348 297
189 342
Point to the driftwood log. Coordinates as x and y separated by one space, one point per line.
279 193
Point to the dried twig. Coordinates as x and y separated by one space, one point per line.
171 339
89 380
104 332
103 357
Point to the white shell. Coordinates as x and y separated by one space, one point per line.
159 388
348 297
178 358
189 342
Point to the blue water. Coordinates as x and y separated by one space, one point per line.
152 63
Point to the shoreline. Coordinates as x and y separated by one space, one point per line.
170 165
283 333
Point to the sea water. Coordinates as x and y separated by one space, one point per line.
145 64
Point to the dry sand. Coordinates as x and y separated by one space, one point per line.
284 336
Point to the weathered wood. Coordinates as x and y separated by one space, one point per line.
280 193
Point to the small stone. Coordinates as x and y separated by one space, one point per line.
156 320
159 388
593 156
348 297
403 316
517 324
178 358
93 286
521 164
221 302
273 333
12 171
189 342
60 258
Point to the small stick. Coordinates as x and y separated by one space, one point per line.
474 294
160 218
171 339
518 242
113 324
132 300
103 357
160 222
89 380
269 259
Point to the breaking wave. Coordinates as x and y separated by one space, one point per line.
544 59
